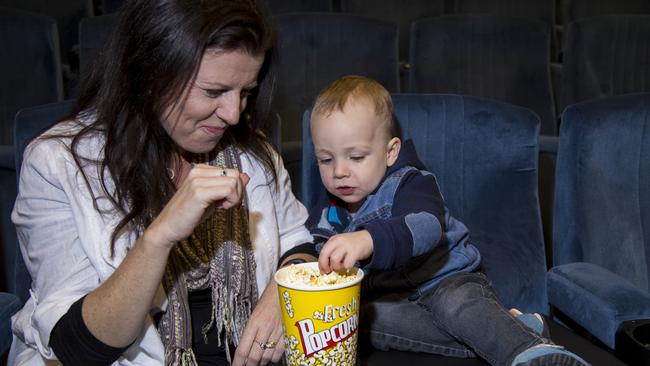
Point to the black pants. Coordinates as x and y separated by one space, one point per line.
207 354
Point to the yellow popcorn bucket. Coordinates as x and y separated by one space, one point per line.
320 321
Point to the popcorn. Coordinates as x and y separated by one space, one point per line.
310 276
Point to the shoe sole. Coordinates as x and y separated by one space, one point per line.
555 359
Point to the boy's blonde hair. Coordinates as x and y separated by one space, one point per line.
334 97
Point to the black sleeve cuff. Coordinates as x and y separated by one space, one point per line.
306 248
74 344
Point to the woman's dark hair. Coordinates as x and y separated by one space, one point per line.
154 53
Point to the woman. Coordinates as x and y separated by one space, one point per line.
152 220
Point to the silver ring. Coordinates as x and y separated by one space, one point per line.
267 345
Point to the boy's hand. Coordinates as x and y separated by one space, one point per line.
343 251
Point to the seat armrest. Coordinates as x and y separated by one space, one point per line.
595 298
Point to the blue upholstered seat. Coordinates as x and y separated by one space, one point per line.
94 34
399 12
30 122
541 10
489 56
67 15
606 56
110 6
579 9
484 154
294 6
314 49
601 241
30 68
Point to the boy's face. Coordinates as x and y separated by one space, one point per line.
353 149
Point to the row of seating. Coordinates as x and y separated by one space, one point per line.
484 154
495 57
69 13
489 56
605 73
404 12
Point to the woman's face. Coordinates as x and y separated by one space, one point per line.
214 101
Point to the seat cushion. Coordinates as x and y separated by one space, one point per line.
597 299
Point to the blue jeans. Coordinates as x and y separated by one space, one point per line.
460 317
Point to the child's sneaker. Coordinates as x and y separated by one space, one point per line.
533 321
548 354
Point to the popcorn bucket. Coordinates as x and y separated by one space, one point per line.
320 320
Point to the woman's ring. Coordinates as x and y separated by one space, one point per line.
224 173
267 345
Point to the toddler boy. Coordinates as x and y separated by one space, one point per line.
383 211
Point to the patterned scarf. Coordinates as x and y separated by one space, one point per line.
218 255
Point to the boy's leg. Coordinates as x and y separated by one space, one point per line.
467 308
393 321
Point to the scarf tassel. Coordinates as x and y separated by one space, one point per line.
182 357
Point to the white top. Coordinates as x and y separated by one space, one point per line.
66 242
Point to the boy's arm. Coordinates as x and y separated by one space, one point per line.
416 226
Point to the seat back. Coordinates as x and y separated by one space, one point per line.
542 10
579 9
606 56
30 68
94 34
30 123
602 188
316 48
294 6
497 57
399 12
484 155
67 15
111 6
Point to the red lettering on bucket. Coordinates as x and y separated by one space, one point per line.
313 341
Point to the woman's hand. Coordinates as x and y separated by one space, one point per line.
264 327
203 189
343 251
